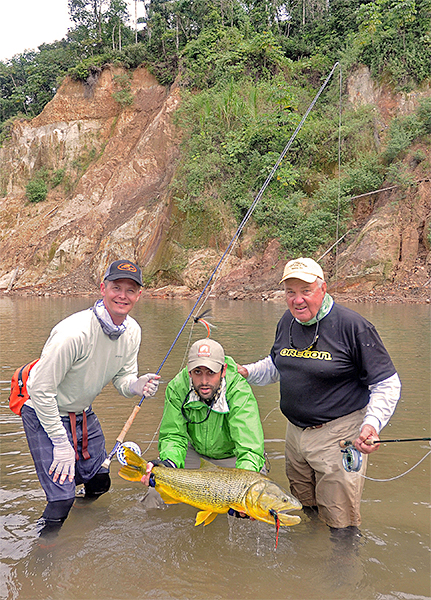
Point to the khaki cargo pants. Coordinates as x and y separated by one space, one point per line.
315 469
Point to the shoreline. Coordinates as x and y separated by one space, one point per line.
387 295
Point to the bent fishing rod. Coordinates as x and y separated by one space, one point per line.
247 216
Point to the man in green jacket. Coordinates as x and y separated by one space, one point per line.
210 412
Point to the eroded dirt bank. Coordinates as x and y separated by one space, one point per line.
115 201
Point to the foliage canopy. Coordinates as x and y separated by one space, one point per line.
248 70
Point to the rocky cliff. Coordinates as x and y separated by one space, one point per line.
114 161
119 206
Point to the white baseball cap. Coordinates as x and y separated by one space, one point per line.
305 269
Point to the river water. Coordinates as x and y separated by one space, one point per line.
114 549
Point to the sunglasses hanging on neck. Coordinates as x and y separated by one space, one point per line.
183 412
310 346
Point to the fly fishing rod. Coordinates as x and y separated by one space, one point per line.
346 443
250 211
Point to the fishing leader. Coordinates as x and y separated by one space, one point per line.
337 381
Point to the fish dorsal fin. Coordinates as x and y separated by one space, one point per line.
205 516
207 466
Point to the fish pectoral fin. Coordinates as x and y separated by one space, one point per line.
205 516
166 498
130 473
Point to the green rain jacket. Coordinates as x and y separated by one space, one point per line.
237 432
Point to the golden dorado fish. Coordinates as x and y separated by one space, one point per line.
214 490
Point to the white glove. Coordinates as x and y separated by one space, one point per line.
63 465
146 385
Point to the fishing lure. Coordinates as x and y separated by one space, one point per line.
206 324
277 524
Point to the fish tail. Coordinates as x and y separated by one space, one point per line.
131 473
133 459
135 468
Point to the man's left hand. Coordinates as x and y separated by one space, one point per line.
364 443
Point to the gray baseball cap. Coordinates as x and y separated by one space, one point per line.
123 269
206 353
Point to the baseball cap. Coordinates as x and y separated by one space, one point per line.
206 353
123 269
305 269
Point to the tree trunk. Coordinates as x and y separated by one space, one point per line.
136 21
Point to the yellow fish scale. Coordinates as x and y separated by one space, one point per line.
201 489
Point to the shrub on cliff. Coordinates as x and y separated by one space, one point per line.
36 190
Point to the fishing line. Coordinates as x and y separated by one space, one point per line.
229 248
398 476
340 109
271 411
153 439
208 326
268 179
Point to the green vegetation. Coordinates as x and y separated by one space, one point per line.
247 73
233 136
123 94
37 189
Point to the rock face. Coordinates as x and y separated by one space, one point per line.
391 251
115 160
118 207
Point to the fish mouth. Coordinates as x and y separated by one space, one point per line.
282 512
286 518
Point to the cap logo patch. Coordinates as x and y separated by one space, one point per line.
204 351
127 267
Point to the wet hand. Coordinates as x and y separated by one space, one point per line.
365 443
239 514
145 479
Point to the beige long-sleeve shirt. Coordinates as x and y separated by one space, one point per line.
76 363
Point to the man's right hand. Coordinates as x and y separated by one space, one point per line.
63 465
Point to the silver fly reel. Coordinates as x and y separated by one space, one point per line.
352 459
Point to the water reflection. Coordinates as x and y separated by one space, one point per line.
113 548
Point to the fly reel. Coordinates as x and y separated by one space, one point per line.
352 459
120 452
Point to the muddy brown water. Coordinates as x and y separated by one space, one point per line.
114 549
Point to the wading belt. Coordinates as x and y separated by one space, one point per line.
72 417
